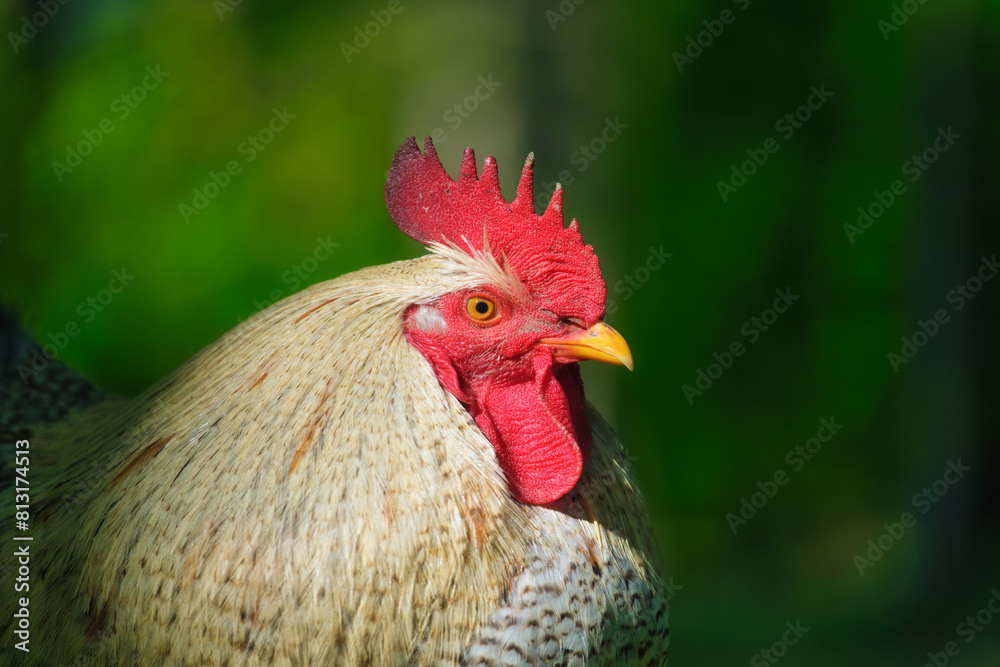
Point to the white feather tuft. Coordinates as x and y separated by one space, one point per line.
430 320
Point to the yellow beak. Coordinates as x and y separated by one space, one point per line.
600 343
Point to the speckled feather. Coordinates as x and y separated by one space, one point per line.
304 492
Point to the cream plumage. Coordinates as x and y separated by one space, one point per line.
307 490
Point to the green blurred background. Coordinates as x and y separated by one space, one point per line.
551 77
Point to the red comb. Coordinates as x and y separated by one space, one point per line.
552 261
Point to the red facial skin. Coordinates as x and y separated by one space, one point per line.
529 406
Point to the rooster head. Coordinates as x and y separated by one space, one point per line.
507 349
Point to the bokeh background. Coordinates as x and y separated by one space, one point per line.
641 124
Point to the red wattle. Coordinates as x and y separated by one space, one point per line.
540 431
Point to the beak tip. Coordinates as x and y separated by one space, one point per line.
600 342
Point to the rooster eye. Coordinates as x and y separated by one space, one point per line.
481 309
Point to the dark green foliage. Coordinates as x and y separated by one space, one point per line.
497 76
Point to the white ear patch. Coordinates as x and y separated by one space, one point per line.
430 319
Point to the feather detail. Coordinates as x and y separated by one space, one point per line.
346 496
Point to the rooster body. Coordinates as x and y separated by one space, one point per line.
308 491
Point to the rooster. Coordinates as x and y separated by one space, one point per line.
396 467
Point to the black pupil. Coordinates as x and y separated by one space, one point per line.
482 307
